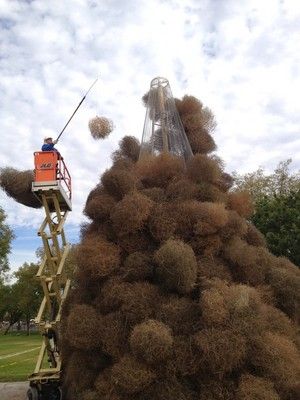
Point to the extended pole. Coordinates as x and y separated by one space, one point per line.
76 109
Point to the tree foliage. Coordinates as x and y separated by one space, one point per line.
277 207
260 184
6 237
20 300
278 218
9 305
28 290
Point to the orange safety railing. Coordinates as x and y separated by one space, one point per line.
50 166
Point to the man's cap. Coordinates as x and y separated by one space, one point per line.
47 137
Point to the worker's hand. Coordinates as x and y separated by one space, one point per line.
55 141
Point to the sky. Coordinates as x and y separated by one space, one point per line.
240 57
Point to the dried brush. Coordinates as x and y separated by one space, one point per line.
113 334
118 182
83 327
130 376
201 169
286 288
18 185
253 387
131 213
96 258
242 203
222 350
159 171
181 314
188 105
181 190
162 223
254 237
156 194
151 341
277 359
137 267
99 207
176 266
167 389
100 127
129 148
210 267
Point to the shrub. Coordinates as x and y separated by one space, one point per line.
100 127
182 189
137 267
156 194
189 105
176 266
201 168
131 213
18 185
254 237
130 376
222 350
277 358
255 388
118 182
162 223
182 315
83 327
129 147
151 341
96 258
242 203
286 288
99 207
158 171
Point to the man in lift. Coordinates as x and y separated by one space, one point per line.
49 144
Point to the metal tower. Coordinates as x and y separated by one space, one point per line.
163 130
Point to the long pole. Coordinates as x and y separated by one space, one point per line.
81 101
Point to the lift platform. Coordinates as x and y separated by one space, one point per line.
52 186
52 177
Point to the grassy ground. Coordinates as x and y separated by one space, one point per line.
18 354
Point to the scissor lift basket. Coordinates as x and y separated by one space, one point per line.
52 175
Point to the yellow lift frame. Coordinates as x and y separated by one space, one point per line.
45 380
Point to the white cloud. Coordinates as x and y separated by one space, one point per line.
240 58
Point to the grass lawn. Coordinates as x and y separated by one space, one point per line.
18 354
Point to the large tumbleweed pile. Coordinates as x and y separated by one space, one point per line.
17 184
176 295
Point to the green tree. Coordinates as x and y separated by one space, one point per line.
3 296
278 218
277 207
21 299
9 305
260 184
28 291
6 237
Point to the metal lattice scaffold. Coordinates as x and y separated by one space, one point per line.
56 202
163 129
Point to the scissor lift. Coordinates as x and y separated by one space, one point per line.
52 186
